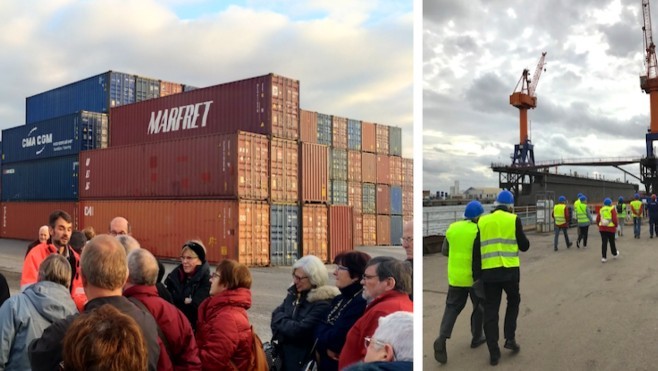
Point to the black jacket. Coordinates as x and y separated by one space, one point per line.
4 289
294 322
382 366
196 287
46 352
344 311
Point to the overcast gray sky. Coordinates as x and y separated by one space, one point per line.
589 102
353 59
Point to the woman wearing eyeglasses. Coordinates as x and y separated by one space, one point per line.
306 305
189 283
223 330
345 309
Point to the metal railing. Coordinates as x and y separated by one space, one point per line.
437 222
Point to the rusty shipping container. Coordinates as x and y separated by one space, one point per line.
382 138
407 201
368 167
222 165
357 230
308 126
394 141
369 230
383 199
354 196
314 172
315 231
383 230
284 170
369 196
395 164
340 230
338 164
407 172
22 220
230 229
354 166
339 132
169 88
264 105
383 169
368 137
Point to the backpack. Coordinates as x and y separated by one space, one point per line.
258 361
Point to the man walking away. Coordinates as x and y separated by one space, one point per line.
607 221
652 207
561 216
621 214
584 220
636 212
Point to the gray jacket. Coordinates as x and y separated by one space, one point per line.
25 316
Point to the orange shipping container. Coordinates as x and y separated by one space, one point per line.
369 230
340 230
315 232
355 196
383 230
407 201
368 137
383 199
357 231
314 172
407 172
381 131
368 167
354 166
383 169
308 126
338 132
169 88
396 170
22 220
230 229
284 170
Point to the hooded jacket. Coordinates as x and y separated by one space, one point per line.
294 322
195 287
25 316
223 330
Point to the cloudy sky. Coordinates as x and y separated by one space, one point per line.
589 102
353 59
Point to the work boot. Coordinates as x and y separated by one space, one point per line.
569 244
512 344
494 356
477 342
440 353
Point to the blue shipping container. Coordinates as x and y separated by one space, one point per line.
338 164
354 134
284 234
61 136
396 230
338 192
324 129
52 179
146 89
396 200
97 94
394 141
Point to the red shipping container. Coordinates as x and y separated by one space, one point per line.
315 232
169 88
223 165
383 169
383 230
407 200
339 132
265 105
314 172
230 229
357 231
284 170
368 167
22 220
382 138
308 126
369 230
407 172
355 196
383 199
354 166
368 137
395 164
340 230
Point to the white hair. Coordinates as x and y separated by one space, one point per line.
314 268
128 242
397 330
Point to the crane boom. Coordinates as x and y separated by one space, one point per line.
537 75
649 46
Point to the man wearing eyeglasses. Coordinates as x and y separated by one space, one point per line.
386 287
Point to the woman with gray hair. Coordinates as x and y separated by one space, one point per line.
306 305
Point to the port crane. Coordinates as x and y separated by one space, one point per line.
649 84
524 98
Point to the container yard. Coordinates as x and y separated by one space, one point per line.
238 165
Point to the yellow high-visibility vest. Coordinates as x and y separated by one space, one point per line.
558 213
606 213
461 236
498 245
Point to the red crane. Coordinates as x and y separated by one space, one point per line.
524 97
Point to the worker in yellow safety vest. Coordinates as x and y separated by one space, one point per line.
496 266
621 214
636 213
458 247
561 216
584 220
607 222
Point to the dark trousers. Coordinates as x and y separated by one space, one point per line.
653 225
605 238
493 292
582 234
557 234
455 303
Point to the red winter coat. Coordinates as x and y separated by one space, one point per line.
223 331
385 304
174 325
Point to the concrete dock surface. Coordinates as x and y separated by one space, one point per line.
576 313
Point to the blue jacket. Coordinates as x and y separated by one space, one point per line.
25 316
652 208
382 366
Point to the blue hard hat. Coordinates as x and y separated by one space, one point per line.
561 199
473 210
637 196
607 201
579 195
582 198
505 197
621 199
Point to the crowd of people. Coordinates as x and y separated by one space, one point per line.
102 304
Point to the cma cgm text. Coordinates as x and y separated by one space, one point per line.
177 118
37 140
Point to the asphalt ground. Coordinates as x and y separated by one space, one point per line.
576 313
268 288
